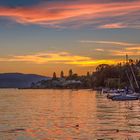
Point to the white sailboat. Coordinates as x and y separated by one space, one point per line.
126 95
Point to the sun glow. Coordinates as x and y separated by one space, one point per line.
58 58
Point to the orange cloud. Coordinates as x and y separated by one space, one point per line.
60 14
58 58
123 53
137 48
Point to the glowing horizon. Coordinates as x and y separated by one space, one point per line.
46 36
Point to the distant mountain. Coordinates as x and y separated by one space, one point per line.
18 80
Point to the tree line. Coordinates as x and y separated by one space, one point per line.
119 75
112 76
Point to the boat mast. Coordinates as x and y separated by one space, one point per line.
129 80
134 76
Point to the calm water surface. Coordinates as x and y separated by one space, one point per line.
66 115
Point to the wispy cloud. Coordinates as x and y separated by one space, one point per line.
58 58
123 53
109 42
108 14
99 50
137 48
113 26
132 49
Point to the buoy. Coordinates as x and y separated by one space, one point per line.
77 125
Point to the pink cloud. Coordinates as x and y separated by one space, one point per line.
101 15
112 26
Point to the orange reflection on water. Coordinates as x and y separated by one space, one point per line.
67 115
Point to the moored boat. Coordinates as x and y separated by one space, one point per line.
110 96
125 97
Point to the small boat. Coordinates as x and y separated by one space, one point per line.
112 95
105 90
126 94
125 97
122 92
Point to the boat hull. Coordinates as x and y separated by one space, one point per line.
110 96
125 98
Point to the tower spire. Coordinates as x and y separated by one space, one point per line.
126 58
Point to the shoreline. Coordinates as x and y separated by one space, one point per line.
55 88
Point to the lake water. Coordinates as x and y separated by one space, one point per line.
66 115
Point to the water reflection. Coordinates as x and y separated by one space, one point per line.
66 115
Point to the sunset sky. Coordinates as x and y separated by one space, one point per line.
43 36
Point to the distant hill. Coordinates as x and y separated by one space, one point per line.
18 80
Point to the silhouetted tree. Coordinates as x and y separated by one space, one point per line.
88 74
54 76
70 73
104 76
62 74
